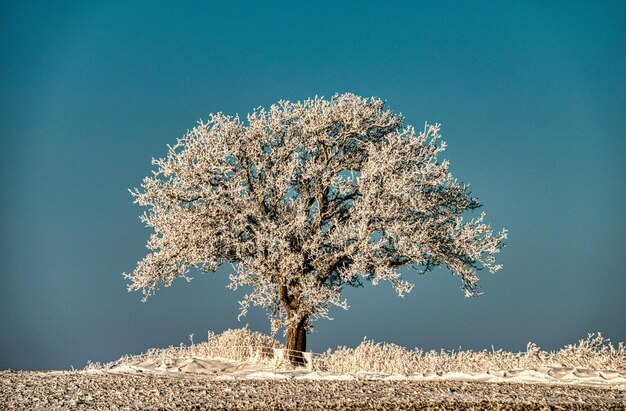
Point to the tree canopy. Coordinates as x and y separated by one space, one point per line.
306 198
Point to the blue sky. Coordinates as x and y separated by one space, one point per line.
531 96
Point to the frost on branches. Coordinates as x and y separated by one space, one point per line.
304 199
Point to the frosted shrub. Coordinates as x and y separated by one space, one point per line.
236 345
382 357
595 352
240 345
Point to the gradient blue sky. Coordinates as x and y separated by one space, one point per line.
531 95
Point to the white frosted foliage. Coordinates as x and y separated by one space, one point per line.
306 198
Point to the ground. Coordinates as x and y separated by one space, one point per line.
95 390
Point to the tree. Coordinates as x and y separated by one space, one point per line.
305 199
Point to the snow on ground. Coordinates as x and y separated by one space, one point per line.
223 369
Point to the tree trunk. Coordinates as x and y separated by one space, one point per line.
296 341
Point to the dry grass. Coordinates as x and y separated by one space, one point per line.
236 345
594 353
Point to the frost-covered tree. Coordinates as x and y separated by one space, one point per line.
305 199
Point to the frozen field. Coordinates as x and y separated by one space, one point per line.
240 369
105 390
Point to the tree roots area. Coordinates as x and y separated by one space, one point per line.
100 390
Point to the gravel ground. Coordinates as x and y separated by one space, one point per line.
94 391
